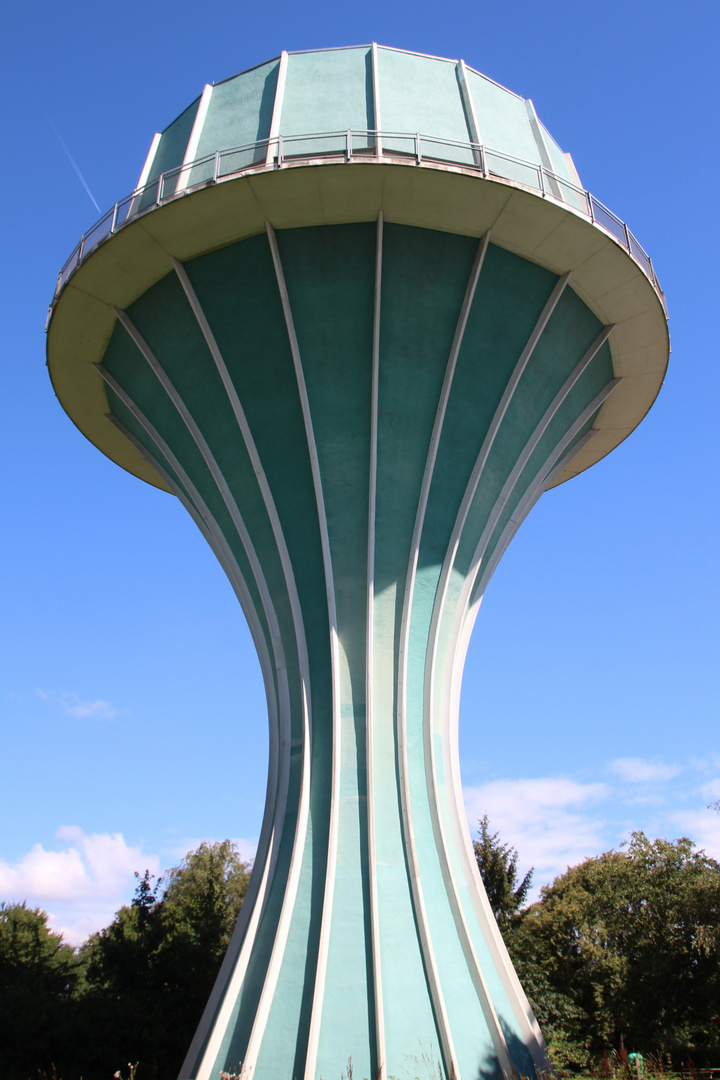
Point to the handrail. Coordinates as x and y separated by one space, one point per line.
351 145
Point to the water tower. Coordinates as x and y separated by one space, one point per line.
358 315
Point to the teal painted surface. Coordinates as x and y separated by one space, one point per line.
240 110
332 91
326 91
171 149
504 126
332 298
421 94
424 280
329 273
238 291
170 152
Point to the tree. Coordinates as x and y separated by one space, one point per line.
631 941
38 975
149 973
497 863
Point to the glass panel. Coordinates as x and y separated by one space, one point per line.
640 255
608 220
334 142
512 169
96 234
243 157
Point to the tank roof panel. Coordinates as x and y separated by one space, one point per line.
358 88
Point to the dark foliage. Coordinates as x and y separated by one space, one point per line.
135 991
624 950
497 863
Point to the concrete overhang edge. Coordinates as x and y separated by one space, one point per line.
445 198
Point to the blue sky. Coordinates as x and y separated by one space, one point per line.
131 708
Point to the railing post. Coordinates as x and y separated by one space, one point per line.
627 237
280 150
216 166
590 204
348 144
542 179
81 245
113 223
160 183
418 149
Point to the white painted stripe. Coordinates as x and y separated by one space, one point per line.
401 718
149 160
277 107
469 105
234 966
260 475
216 474
450 705
194 140
369 668
485 449
273 971
324 939
545 159
541 480
444 713
463 622
491 1018
137 199
273 516
377 123
483 455
207 1065
530 445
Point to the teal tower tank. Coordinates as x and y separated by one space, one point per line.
358 315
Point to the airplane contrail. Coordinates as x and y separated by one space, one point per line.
72 161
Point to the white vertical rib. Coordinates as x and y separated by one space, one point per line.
277 106
149 160
463 622
376 98
539 484
207 1065
542 146
469 104
457 648
273 516
194 140
416 886
462 626
234 966
369 667
530 445
485 449
429 697
236 959
260 476
324 940
135 204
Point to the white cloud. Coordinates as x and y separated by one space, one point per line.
82 885
703 828
637 770
547 820
72 705
711 790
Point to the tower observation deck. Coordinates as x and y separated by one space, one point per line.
358 316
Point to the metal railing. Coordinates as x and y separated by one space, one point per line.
353 145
